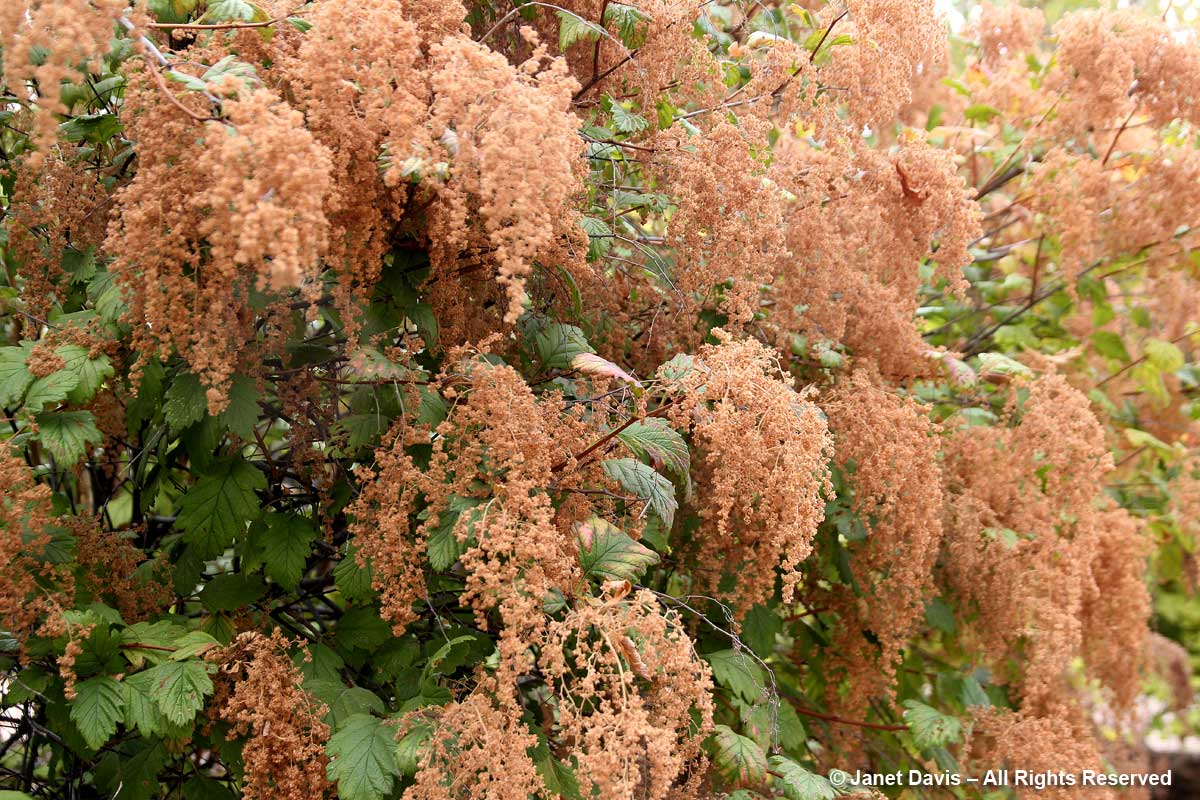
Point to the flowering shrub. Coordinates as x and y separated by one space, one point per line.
649 400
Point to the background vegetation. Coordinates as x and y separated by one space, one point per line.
593 400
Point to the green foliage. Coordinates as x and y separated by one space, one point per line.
573 28
183 513
215 511
740 760
798 783
97 708
363 758
606 552
645 484
930 727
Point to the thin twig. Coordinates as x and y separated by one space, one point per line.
808 712
1117 136
217 26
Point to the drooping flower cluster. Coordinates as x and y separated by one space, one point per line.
888 449
26 529
1050 566
226 232
44 43
641 735
260 698
752 431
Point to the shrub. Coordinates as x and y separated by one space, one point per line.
605 400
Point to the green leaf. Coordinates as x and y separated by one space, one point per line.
205 789
233 11
66 434
656 440
130 771
739 760
343 701
160 636
441 544
362 629
739 673
107 298
96 128
449 656
930 727
981 112
91 372
361 430
1110 345
227 66
628 20
798 783
286 544
97 708
760 628
142 712
557 345
939 615
626 121
1140 438
560 779
14 374
171 11
973 694
412 746
352 580
609 553
573 28
363 758
1150 379
678 368
179 688
240 416
231 592
193 644
50 390
647 484
996 365
1165 356
600 237
185 402
215 511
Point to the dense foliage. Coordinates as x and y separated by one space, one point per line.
641 399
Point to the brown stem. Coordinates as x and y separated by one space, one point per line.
813 55
598 78
875 726
1139 360
608 437
219 26
166 90
1120 130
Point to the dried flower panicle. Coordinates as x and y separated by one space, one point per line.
888 448
477 750
44 44
893 41
653 709
751 430
260 697
229 232
34 589
496 448
1051 568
